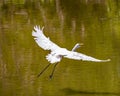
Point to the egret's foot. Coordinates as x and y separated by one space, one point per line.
51 76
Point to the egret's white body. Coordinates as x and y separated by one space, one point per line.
57 52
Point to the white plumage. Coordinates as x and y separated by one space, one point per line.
57 52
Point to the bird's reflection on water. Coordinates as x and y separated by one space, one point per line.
70 91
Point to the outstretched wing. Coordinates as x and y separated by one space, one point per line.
80 56
42 40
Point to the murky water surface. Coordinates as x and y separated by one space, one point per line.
95 23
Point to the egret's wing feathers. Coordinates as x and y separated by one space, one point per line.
80 56
42 40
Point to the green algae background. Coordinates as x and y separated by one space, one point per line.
95 23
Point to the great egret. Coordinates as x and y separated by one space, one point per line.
57 52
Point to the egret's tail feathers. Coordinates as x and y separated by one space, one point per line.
52 58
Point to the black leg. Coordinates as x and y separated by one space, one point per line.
51 75
43 70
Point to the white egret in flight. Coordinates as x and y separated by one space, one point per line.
57 52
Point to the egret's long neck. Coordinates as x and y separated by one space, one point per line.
76 47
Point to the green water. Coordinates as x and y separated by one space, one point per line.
95 23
